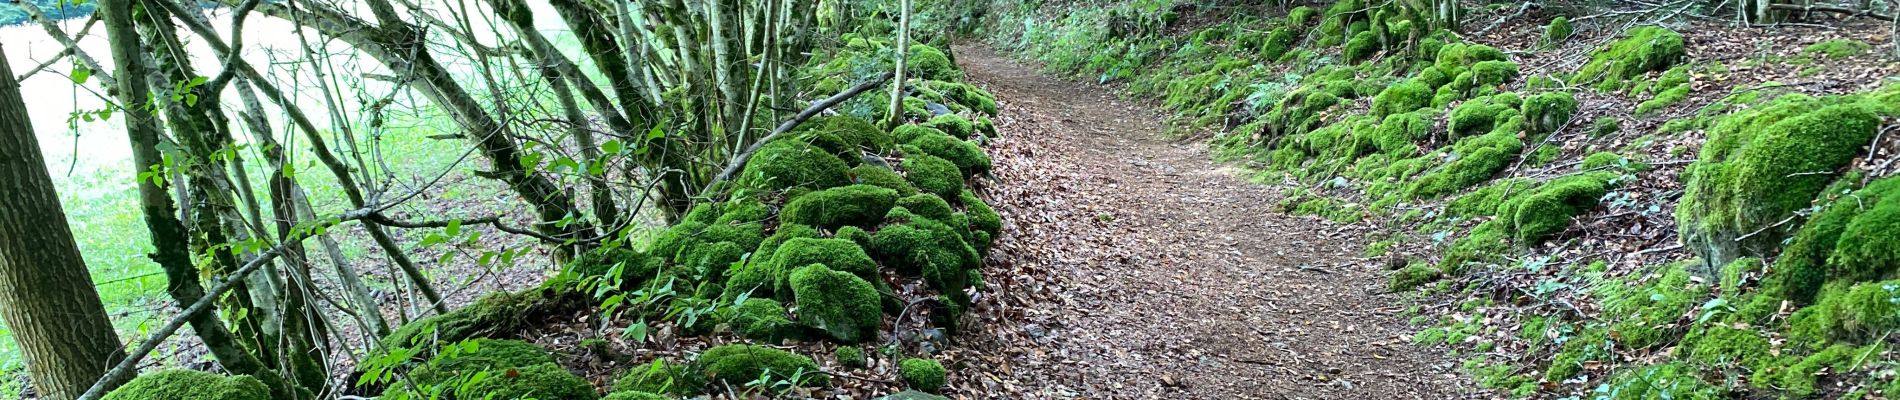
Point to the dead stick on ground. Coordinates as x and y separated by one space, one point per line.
820 106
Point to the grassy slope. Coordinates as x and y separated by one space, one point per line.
1482 185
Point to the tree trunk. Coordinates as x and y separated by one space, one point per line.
903 57
46 295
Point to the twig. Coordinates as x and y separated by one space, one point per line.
738 160
1784 221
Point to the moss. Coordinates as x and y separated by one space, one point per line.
969 159
1588 345
1763 165
1546 112
1413 276
1864 311
1663 99
1722 346
184 384
1646 313
1399 133
1837 48
542 381
1301 16
836 302
1362 47
633 267
477 355
909 132
1478 158
634 396
933 175
931 63
1483 243
920 246
1404 97
746 235
1662 381
1869 246
882 177
1603 160
786 164
857 132
854 205
737 364
922 374
658 376
1544 154
952 124
1641 50
1485 201
1558 31
849 356
1799 380
982 217
762 320
1490 74
490 315
707 259
1549 208
839 254
1478 116
927 206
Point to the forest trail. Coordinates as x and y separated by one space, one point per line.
1141 269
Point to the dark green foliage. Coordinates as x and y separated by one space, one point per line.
836 302
1641 50
184 384
762 320
854 205
849 356
922 374
933 175
786 164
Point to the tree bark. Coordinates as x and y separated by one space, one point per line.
903 57
47 297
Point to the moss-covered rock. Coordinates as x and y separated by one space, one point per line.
635 395
786 164
540 381
1558 31
982 217
968 158
849 356
882 176
914 245
737 364
477 355
1549 208
184 384
1478 158
1836 48
1361 47
842 305
839 254
658 376
952 124
762 320
928 62
1763 165
933 175
854 205
857 132
922 374
1404 97
1545 112
1641 50
1412 276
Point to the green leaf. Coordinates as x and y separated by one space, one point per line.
637 332
656 133
454 228
81 75
613 147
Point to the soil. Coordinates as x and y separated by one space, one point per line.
1134 267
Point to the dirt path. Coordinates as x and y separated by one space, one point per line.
1140 269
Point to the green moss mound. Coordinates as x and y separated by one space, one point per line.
184 384
850 356
1404 97
787 164
763 320
541 381
934 175
634 396
856 132
1763 165
737 364
928 62
922 374
882 176
1558 31
915 246
658 376
1546 112
968 158
839 254
1550 208
842 305
854 205
953 125
1641 50
477 355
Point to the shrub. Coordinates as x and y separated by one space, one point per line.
184 384
836 302
922 374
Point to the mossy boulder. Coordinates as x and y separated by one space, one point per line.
477 355
762 320
882 176
1404 97
933 175
1361 47
914 246
184 384
1550 208
850 356
634 396
1760 167
1546 112
540 381
952 124
982 217
1476 160
969 159
922 374
854 205
1642 50
838 303
929 62
839 254
658 376
856 132
1557 31
787 164
737 364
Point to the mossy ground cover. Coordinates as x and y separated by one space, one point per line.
1508 186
